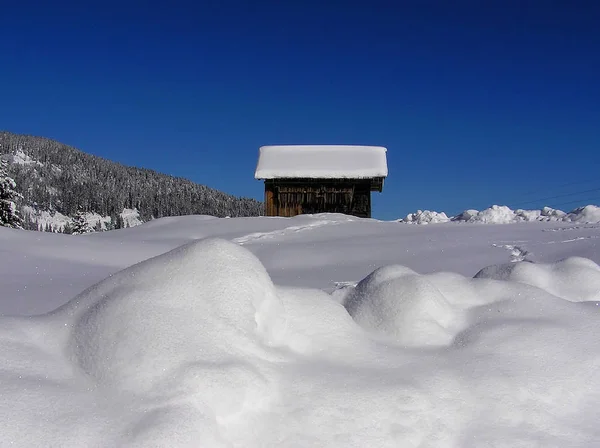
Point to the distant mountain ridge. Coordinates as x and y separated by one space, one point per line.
58 179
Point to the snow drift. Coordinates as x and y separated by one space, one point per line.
589 213
396 301
208 288
425 217
171 340
500 214
198 347
576 279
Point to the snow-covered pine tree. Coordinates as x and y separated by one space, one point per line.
119 223
51 182
67 229
9 214
80 224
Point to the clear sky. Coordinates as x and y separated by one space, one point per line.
478 102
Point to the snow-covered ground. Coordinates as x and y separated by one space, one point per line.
313 331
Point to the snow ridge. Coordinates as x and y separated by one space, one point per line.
501 214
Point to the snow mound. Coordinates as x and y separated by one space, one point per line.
467 215
431 310
205 302
552 214
496 214
166 351
587 214
425 217
501 214
528 215
398 302
575 279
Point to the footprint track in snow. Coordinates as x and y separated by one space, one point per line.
579 227
579 238
258 236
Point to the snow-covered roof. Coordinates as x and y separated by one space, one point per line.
321 162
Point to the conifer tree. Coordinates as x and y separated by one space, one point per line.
59 178
67 229
80 224
9 214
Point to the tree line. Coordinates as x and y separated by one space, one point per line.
56 177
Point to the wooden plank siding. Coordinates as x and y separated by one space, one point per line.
291 197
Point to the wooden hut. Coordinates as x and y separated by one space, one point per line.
302 179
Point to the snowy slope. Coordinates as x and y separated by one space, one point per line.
432 336
40 272
57 180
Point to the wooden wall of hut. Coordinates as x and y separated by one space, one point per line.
291 197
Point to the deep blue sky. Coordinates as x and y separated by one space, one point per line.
478 102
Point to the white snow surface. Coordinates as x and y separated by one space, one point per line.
313 331
501 214
321 161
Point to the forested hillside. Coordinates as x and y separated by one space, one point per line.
55 177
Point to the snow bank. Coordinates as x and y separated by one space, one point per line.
197 347
587 214
425 217
396 301
175 337
467 215
501 214
496 215
178 303
576 279
421 310
552 213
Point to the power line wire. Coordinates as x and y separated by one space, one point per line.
597 198
569 184
556 197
